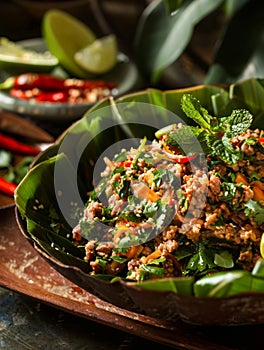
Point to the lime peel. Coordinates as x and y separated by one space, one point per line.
262 245
13 56
64 35
13 51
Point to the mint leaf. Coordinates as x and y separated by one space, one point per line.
255 210
223 149
193 109
201 261
153 270
239 121
184 138
224 259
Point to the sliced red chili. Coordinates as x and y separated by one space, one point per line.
177 158
261 139
15 146
7 187
57 96
46 82
125 164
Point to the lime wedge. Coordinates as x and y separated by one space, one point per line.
16 59
98 57
64 36
262 246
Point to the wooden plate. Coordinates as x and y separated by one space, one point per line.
24 271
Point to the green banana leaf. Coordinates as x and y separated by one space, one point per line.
240 54
166 28
231 283
160 38
173 5
38 197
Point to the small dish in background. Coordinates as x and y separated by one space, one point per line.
124 74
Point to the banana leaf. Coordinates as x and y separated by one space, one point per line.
240 55
49 209
160 38
173 5
166 28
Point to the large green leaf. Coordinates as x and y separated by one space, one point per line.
160 38
181 285
173 5
227 284
240 54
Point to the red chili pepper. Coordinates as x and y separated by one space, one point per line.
261 139
15 146
7 187
125 164
30 81
57 96
179 158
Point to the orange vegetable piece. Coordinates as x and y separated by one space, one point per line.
240 178
258 194
156 254
134 251
258 184
152 196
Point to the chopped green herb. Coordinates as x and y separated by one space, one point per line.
255 210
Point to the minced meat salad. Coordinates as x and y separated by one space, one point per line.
159 212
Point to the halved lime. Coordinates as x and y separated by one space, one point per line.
100 56
15 59
262 246
64 36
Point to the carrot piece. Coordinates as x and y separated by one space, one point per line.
240 178
258 194
152 196
258 184
154 255
134 251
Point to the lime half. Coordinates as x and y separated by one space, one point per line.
98 57
16 59
262 246
64 36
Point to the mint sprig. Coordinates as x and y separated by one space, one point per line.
194 110
214 134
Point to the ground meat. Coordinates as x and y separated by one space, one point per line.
90 250
248 194
192 229
248 149
211 218
169 246
104 249
133 263
215 185
210 211
169 232
94 209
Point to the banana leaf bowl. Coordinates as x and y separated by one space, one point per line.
46 209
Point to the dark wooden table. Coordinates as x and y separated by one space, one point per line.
28 324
